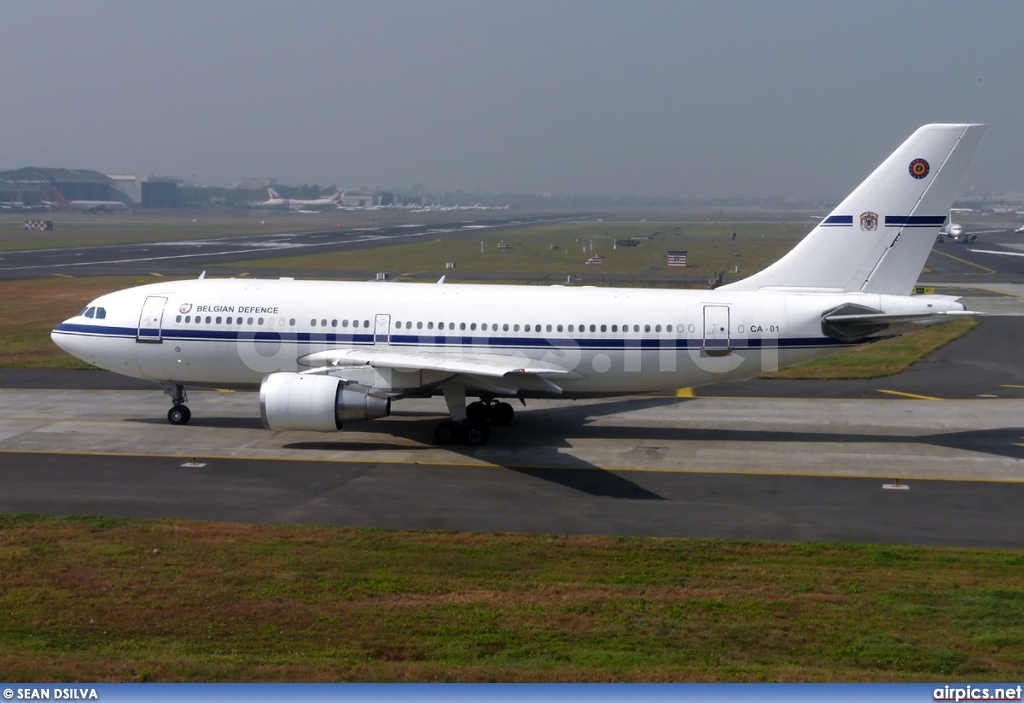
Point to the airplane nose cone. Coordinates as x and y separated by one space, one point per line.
61 339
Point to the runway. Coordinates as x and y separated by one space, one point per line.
713 467
187 257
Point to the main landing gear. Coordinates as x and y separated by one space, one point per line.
486 410
468 425
179 414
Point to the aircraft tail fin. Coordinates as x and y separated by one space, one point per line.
878 239
338 196
57 197
273 194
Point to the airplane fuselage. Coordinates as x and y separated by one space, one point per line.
234 332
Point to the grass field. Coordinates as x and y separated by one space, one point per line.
564 248
118 600
883 358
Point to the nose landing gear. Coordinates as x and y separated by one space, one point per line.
179 414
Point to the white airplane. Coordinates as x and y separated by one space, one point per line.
88 205
302 205
956 233
325 353
20 206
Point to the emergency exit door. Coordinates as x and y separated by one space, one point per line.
382 330
716 330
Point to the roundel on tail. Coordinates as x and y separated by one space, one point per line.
919 168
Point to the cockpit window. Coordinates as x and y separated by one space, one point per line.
101 313
89 312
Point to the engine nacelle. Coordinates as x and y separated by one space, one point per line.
971 238
293 401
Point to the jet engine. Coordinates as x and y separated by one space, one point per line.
293 401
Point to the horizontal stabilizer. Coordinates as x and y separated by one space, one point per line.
876 318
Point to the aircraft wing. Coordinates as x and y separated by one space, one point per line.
1000 253
493 365
503 374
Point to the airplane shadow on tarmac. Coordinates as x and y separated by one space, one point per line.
548 430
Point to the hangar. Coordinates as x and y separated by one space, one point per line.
32 185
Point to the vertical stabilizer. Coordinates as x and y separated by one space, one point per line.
879 237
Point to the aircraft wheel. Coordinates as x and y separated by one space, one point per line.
502 413
179 415
446 433
476 412
475 433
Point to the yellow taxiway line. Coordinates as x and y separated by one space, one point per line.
915 396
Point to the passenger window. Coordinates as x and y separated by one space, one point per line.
430 325
615 328
419 325
593 328
559 328
472 326
312 323
504 327
209 320
188 318
366 323
515 328
462 325
549 328
657 328
526 329
323 323
334 323
178 318
483 327
570 328
604 328
647 328
218 319
258 322
290 322
250 321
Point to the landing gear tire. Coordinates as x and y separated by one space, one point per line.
477 412
498 414
475 434
502 414
446 433
179 415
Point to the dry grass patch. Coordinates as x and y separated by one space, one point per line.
176 601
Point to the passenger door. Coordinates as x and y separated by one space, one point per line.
151 320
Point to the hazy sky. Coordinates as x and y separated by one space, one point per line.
683 99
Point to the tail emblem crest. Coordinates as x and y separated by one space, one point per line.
868 221
919 168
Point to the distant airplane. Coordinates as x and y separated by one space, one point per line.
955 233
19 206
88 205
302 205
